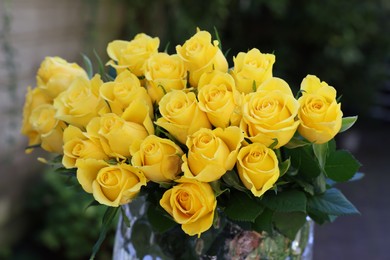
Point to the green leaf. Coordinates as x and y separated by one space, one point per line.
108 217
158 219
274 144
331 146
166 47
296 142
100 62
321 151
284 166
68 172
100 66
332 202
56 161
88 66
241 207
286 201
254 87
341 166
32 146
264 222
320 184
319 217
307 187
216 186
299 93
303 159
92 204
165 185
289 223
232 180
358 176
347 122
218 38
227 52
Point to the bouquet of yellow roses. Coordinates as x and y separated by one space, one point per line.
201 141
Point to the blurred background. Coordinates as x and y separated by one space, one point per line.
345 43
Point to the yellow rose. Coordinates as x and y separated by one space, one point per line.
270 113
181 115
77 145
111 185
191 204
48 128
200 56
123 91
56 74
34 98
80 102
164 73
320 114
219 98
211 153
115 134
250 67
258 168
132 54
158 158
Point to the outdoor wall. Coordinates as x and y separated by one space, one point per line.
29 31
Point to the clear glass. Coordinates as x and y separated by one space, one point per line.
137 240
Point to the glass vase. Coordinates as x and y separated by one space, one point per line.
137 240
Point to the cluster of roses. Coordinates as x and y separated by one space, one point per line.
183 119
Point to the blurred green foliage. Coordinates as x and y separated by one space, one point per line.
61 225
345 43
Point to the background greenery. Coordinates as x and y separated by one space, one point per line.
61 225
345 43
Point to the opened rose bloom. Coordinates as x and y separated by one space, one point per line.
47 127
200 56
164 73
269 115
111 185
56 74
251 69
34 98
77 144
320 114
116 135
158 158
191 204
219 98
258 168
181 115
123 91
133 54
211 153
80 102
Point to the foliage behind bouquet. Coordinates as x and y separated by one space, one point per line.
200 140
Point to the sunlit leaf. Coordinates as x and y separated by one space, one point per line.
347 122
88 66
